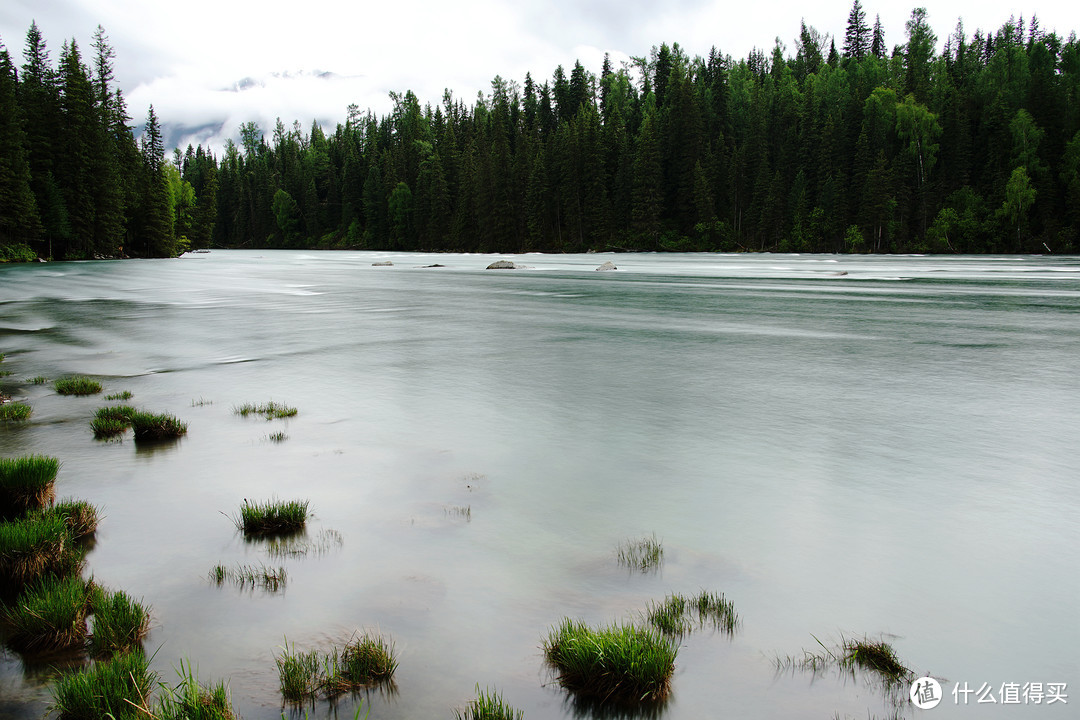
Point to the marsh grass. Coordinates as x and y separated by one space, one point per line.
79 516
876 657
6 373
270 410
460 511
120 623
201 402
299 546
15 411
37 380
367 660
644 554
122 395
26 483
300 674
118 688
150 427
489 705
679 615
111 421
34 546
191 700
273 517
618 663
77 386
270 579
49 615
278 437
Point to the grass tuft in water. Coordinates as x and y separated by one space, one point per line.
270 579
26 484
118 688
299 673
111 421
278 437
489 705
200 402
621 663
644 554
49 615
34 546
191 700
148 426
298 546
120 623
37 380
79 516
274 517
122 395
873 656
269 410
77 386
367 660
678 614
15 411
670 616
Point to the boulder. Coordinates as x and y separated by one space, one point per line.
502 265
607 266
383 263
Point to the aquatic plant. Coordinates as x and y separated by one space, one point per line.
268 578
874 656
120 623
191 700
489 705
644 554
49 615
118 688
273 517
38 380
112 420
269 410
278 437
34 546
620 663
678 614
26 483
294 546
123 395
147 426
15 411
200 402
79 516
299 673
670 616
366 660
461 511
77 386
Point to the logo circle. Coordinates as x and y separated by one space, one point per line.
925 693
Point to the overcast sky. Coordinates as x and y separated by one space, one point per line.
209 65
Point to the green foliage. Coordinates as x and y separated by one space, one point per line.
620 662
118 689
151 427
270 579
120 623
873 656
273 517
645 554
15 411
38 380
49 615
33 546
77 386
300 674
191 700
112 421
26 483
489 705
679 615
269 410
123 395
79 516
367 660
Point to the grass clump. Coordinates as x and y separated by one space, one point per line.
111 421
34 546
49 615
274 517
678 614
77 386
299 673
123 395
619 663
120 623
874 656
15 411
37 380
79 516
489 705
325 541
268 578
191 700
367 660
645 554
270 410
148 426
26 483
117 688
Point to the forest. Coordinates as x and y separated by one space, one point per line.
843 145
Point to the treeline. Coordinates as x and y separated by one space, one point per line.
74 183
850 149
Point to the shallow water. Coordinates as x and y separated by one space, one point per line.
844 446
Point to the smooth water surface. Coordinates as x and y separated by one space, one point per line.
843 446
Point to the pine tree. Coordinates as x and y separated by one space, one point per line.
857 39
19 221
155 238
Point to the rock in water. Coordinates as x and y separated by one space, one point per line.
384 263
502 265
607 266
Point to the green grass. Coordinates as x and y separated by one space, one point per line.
77 386
37 380
620 663
670 616
79 516
49 615
200 402
26 483
300 674
876 657
15 411
191 700
123 395
298 546
118 689
489 705
645 554
278 437
6 373
111 421
274 517
148 426
31 547
120 623
270 579
270 410
367 660
678 614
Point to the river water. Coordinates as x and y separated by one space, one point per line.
843 446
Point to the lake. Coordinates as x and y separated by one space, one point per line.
844 446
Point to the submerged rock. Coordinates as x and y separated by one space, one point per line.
383 263
607 266
502 265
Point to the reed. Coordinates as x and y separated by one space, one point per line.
148 426
299 546
644 554
37 380
620 663
111 421
367 660
874 656
489 705
299 673
77 386
120 623
273 517
49 615
269 410
191 700
118 689
278 437
26 483
15 411
79 516
678 614
122 395
34 546
270 579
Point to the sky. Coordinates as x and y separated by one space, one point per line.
207 66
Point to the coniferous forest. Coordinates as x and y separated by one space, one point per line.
843 145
